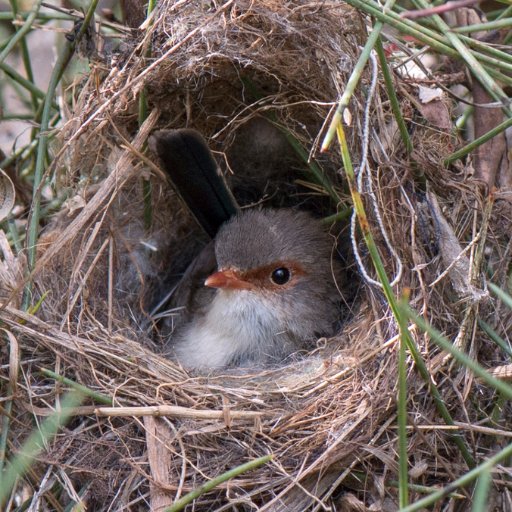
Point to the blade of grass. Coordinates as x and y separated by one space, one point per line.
464 480
17 154
377 262
436 41
25 152
460 356
35 308
403 480
25 53
17 117
401 319
355 76
214 482
41 16
390 89
470 41
503 296
142 115
483 485
423 489
405 26
80 388
462 120
21 80
33 224
494 337
505 13
20 33
477 142
13 232
433 39
489 25
14 362
337 217
502 59
35 444
472 63
499 410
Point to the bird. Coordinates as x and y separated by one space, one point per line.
264 288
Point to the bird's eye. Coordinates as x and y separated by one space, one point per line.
280 275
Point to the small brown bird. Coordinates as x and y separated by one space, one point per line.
271 293
261 290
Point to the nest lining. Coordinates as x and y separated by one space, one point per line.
223 69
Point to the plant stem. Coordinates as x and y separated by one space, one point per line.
84 390
33 225
24 51
390 88
35 444
379 267
214 482
466 479
351 85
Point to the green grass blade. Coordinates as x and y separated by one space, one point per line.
503 296
214 482
20 33
477 142
489 25
21 80
390 89
27 63
142 115
464 480
401 319
60 66
472 63
35 444
483 485
353 81
495 337
458 355
80 388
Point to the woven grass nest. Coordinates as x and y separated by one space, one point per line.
234 72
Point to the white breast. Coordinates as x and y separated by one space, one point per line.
235 327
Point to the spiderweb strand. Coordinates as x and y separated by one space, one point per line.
363 176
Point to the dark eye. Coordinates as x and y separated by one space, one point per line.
281 275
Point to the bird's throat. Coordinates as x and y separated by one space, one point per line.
239 326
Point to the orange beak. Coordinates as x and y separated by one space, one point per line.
229 279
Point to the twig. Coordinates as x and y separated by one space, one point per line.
176 411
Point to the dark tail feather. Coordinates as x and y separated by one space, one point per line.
193 172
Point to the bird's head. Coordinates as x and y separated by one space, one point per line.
282 256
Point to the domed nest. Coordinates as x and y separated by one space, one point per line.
260 81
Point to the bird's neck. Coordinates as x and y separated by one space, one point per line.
239 327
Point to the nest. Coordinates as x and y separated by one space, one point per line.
247 75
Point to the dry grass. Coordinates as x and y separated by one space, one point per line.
329 418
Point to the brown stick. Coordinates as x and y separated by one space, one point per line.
176 412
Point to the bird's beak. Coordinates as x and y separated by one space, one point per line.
229 279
